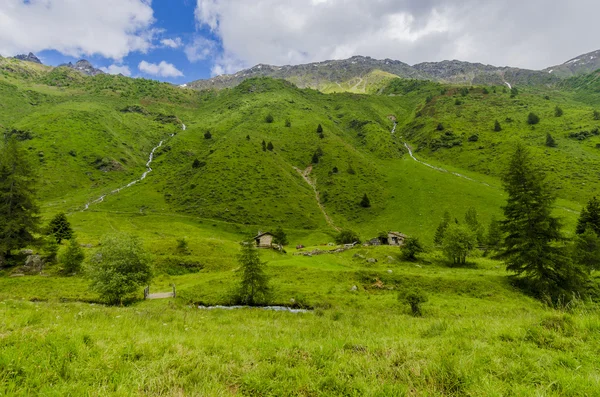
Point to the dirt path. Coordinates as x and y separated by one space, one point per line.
306 176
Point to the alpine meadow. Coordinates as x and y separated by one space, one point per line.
340 228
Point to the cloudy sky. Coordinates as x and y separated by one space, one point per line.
184 40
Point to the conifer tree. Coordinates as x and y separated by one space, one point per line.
589 217
532 242
365 202
254 285
587 250
264 146
19 218
473 224
441 229
73 257
497 126
319 129
550 142
60 228
494 236
270 146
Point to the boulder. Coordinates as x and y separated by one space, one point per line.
372 260
33 264
390 259
389 271
26 252
354 288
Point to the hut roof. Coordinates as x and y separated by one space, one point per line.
398 234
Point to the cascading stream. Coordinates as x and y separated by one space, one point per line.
148 170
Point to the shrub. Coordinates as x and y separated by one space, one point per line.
264 146
457 102
319 129
473 138
533 118
279 237
351 170
119 268
182 246
270 146
440 127
596 115
207 135
288 123
458 242
550 142
412 246
558 112
269 118
347 236
414 298
72 258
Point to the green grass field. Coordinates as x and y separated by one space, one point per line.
479 335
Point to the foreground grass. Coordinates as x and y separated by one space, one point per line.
478 336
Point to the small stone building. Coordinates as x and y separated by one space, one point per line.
396 238
264 240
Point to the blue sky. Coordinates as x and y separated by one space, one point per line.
184 40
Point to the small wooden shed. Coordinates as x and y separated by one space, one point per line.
396 238
264 240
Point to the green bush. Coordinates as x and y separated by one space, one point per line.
414 298
347 237
72 258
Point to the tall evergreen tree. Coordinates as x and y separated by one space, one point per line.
550 142
494 236
365 202
586 250
60 228
19 218
270 146
533 239
497 126
589 217
441 229
73 257
254 285
319 129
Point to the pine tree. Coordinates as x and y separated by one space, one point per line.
532 242
586 250
60 228
254 285
264 146
589 217
441 229
473 224
319 129
315 158
494 236
19 218
72 258
270 146
497 126
365 202
207 135
550 142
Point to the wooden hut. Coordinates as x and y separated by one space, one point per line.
396 238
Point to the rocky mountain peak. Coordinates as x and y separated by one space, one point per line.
29 58
84 67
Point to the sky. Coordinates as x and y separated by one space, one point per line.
184 40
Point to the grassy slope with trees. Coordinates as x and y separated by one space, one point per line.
478 336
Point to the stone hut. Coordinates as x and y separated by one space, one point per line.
396 238
264 240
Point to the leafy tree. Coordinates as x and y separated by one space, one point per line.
558 112
347 237
441 229
533 118
497 126
365 202
207 135
550 142
60 228
269 118
19 219
473 223
119 268
414 299
72 258
254 286
532 242
279 237
319 129
494 236
412 246
586 250
589 217
458 242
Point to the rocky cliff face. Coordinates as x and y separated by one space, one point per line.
582 64
29 58
84 67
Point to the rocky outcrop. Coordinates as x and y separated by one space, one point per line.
29 58
582 64
84 67
33 264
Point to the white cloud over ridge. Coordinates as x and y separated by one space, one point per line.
117 69
531 34
162 69
110 28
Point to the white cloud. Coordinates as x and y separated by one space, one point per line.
200 48
172 43
162 69
117 69
489 31
111 28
